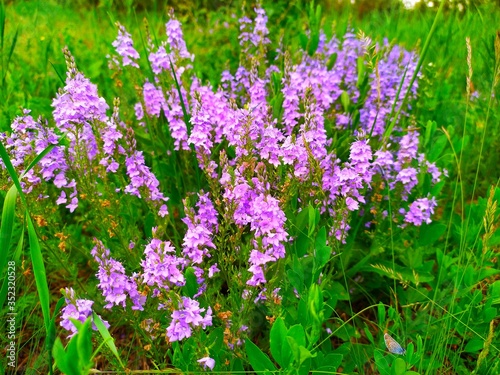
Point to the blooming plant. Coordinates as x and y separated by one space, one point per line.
250 192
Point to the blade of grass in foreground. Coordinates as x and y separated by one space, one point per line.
35 250
425 48
6 231
106 336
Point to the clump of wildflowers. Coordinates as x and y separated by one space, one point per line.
28 138
312 132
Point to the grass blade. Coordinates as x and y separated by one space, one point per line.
9 56
6 232
57 72
12 172
109 341
181 99
39 157
2 24
425 48
39 271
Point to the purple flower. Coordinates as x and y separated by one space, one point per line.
257 208
113 281
186 318
420 211
258 35
142 179
201 228
175 38
161 267
125 47
27 139
207 362
78 309
160 60
77 108
153 99
213 270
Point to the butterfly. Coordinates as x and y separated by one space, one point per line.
392 345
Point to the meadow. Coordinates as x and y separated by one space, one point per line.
279 187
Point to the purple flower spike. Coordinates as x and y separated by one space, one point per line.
113 281
161 266
125 47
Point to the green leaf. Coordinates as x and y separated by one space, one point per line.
489 313
216 339
331 61
474 345
398 366
296 280
360 64
330 362
369 336
430 129
303 41
345 100
260 361
6 231
51 333
106 336
84 346
381 363
300 352
313 44
323 252
297 333
64 363
312 219
495 292
315 305
337 289
39 272
280 349
302 244
429 234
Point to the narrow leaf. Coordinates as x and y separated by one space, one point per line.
39 272
6 231
106 336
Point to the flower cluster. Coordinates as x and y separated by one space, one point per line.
186 318
115 285
28 139
124 46
255 206
161 267
78 309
